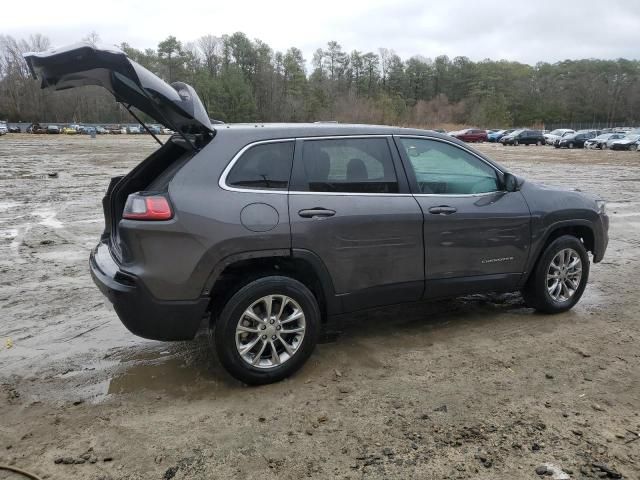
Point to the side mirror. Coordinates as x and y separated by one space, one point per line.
510 182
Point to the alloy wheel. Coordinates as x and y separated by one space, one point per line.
270 331
564 275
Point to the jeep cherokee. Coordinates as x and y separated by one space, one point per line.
266 231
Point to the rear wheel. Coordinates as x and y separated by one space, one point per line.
560 276
539 143
267 330
571 145
515 143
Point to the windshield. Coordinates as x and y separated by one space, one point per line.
516 132
633 138
604 136
558 131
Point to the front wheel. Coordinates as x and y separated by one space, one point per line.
539 143
560 276
571 145
267 330
515 143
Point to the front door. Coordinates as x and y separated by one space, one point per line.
350 205
476 235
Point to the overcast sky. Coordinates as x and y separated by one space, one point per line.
528 32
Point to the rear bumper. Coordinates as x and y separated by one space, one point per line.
142 313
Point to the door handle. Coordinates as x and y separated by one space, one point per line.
316 212
443 210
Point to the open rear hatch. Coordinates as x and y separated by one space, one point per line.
176 106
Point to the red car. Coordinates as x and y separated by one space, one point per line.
471 135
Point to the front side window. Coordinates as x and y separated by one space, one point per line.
266 166
356 165
442 168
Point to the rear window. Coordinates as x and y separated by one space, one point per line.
266 166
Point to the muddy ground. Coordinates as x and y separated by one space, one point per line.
478 387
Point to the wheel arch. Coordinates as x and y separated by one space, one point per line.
582 230
235 271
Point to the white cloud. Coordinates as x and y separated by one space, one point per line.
523 31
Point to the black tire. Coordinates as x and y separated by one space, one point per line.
516 143
536 294
539 143
223 331
571 145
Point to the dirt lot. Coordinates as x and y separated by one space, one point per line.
479 387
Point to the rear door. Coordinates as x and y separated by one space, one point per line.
350 205
476 235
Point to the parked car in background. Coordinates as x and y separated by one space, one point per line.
601 141
14 129
629 142
3 128
577 139
498 134
166 131
523 137
53 129
101 130
471 135
36 128
556 134
133 129
70 130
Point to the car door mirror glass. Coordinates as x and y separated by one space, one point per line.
510 182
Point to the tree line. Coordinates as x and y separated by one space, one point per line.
244 80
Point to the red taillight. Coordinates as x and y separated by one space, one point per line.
147 207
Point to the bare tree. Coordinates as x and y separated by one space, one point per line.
211 49
92 38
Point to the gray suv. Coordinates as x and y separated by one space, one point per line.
267 231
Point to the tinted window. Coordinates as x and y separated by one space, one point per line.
264 166
442 168
357 165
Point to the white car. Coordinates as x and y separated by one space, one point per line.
3 128
556 134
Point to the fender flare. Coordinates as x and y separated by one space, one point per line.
535 254
332 301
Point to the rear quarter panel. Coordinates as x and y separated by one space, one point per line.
175 258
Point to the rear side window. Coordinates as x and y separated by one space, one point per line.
266 166
351 165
